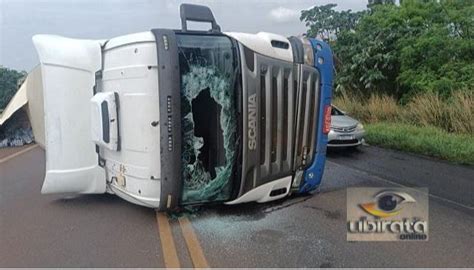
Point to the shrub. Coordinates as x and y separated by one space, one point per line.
454 114
429 141
9 82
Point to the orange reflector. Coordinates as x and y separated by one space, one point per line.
327 119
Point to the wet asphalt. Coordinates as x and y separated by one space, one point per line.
104 231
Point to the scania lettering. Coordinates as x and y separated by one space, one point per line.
252 122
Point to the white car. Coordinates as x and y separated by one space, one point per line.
345 130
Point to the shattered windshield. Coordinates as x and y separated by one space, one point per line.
208 68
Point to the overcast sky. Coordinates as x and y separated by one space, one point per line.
102 19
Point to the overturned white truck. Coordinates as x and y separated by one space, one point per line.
173 117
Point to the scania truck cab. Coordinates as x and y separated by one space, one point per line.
167 118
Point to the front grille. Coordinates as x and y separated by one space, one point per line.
280 134
343 141
307 105
344 129
274 103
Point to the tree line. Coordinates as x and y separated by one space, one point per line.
416 46
402 49
10 81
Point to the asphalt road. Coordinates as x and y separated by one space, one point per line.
105 231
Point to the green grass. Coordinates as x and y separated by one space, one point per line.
428 141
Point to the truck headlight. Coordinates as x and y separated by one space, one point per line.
308 52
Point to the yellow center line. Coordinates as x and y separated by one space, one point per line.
194 248
167 243
5 159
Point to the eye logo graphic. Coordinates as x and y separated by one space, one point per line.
387 203
387 214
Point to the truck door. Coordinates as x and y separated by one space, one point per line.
68 68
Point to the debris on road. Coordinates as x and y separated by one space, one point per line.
16 131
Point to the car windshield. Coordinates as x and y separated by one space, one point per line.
335 111
208 69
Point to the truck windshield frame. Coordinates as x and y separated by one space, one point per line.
209 88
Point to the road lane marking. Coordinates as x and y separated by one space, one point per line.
194 248
5 159
167 243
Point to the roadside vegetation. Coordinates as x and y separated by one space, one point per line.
430 141
10 81
406 70
453 115
428 124
16 131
